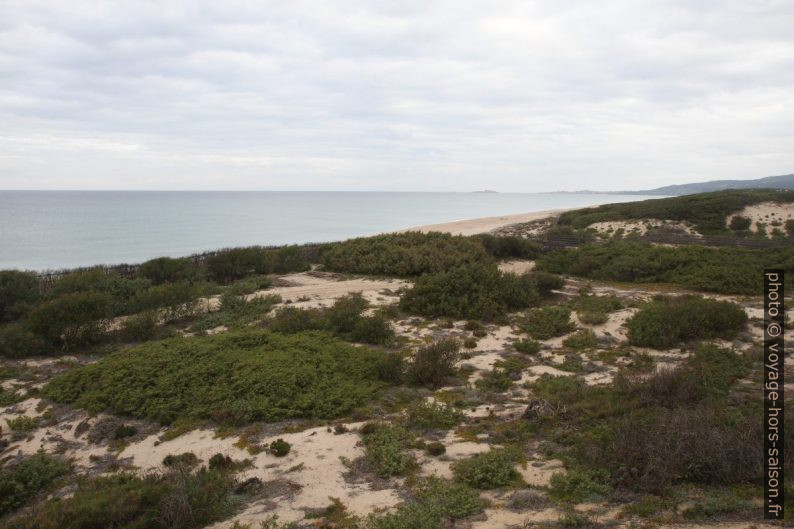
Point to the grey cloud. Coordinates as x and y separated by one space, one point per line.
393 95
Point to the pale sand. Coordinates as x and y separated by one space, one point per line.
766 213
485 224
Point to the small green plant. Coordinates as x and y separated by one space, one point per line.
433 415
31 475
527 346
279 448
578 485
185 460
384 449
434 363
435 448
23 423
582 339
548 322
488 470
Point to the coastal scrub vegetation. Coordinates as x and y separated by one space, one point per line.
667 321
32 475
233 378
479 292
403 254
178 498
707 211
720 270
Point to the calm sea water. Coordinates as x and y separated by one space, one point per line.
59 229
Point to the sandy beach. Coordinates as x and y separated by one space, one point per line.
485 224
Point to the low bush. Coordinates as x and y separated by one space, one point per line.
582 339
279 448
594 310
185 460
478 292
19 291
722 270
139 328
548 322
509 246
236 312
578 485
668 321
527 346
23 423
434 363
384 449
168 270
16 341
20 482
343 319
739 223
403 254
173 300
73 319
435 448
235 377
433 416
434 501
176 499
488 470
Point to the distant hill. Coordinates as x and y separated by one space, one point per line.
770 182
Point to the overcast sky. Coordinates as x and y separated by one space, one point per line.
414 95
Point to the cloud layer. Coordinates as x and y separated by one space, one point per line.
413 95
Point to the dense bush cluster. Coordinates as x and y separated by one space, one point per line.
489 470
403 254
647 433
548 322
668 321
234 377
27 478
434 502
707 211
385 449
480 292
722 270
434 363
509 246
176 499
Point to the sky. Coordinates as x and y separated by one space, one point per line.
514 96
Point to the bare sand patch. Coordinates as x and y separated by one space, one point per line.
769 213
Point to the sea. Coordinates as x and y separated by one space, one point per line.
48 230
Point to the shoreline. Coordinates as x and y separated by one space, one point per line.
476 226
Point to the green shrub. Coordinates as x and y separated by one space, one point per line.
403 254
185 460
479 292
218 461
373 329
291 320
723 270
72 319
739 223
496 380
345 313
175 499
123 431
488 470
582 339
435 448
579 485
167 270
139 328
434 363
384 449
433 416
667 321
470 343
30 476
16 341
23 423
236 311
229 265
527 346
593 317
279 448
509 246
434 502
235 377
18 292
548 322
545 282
